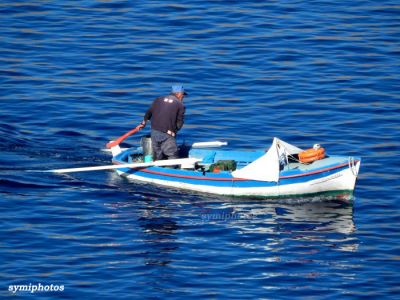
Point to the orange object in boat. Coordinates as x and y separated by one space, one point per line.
311 155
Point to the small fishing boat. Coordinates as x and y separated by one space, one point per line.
283 171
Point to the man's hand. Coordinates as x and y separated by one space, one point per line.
142 124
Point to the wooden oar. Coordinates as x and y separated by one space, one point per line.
197 145
212 144
123 137
159 163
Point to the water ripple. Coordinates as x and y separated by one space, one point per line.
75 76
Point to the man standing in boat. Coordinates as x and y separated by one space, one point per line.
167 116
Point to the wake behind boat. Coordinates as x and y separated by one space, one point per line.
284 171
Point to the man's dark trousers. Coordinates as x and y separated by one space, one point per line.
163 145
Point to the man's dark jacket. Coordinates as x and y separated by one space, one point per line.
166 114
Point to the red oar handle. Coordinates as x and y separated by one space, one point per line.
123 137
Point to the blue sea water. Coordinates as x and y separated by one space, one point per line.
75 74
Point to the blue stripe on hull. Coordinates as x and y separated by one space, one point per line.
223 179
189 177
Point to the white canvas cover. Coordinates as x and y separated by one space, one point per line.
266 168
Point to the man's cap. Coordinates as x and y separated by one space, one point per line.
178 89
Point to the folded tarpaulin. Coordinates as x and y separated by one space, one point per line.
266 168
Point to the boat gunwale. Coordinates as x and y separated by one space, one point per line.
203 178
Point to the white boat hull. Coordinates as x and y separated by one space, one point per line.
341 181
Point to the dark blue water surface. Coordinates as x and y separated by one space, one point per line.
75 74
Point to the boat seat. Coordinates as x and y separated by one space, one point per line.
208 156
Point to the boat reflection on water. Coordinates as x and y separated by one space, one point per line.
317 217
311 222
325 222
